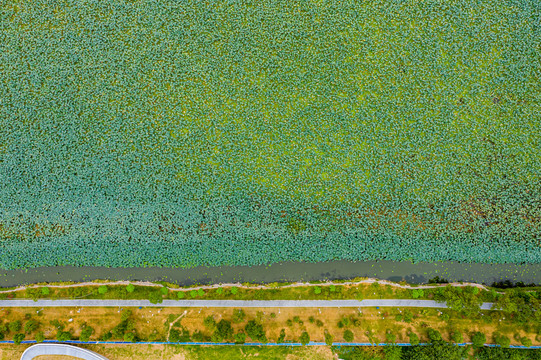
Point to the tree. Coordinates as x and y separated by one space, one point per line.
255 331
219 291
31 326
45 291
433 335
155 297
305 338
63 335
164 290
282 336
414 338
181 294
478 339
224 329
328 338
210 323
102 289
456 336
130 288
501 340
417 293
86 332
240 338
201 292
526 341
348 335
238 316
317 290
14 326
40 337
18 338
332 288
392 352
193 294
129 337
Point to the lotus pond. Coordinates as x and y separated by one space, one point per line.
179 134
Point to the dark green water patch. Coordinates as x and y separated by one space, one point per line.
287 271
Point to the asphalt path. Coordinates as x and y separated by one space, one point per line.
230 303
60 349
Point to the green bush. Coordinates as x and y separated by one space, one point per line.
14 326
417 293
63 335
219 291
255 331
210 323
501 340
408 316
234 290
526 341
86 333
390 337
348 336
130 288
433 335
18 338
193 294
200 292
129 337
281 337
414 338
164 290
332 288
45 291
240 338
181 294
40 337
31 326
305 338
317 290
238 316
478 339
155 297
102 289
328 338
456 336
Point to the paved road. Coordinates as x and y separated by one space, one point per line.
230 303
60 349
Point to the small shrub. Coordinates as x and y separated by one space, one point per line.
348 335
501 340
164 290
40 337
305 338
219 291
408 316
282 336
417 293
433 335
317 290
130 288
102 289
181 294
289 322
478 339
209 323
414 338
63 335
238 316
390 336
526 341
14 326
193 293
332 288
201 292
156 297
129 337
30 326
319 323
311 319
444 317
328 338
240 338
18 338
456 336
45 291
234 290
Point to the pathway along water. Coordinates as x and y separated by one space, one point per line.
284 272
